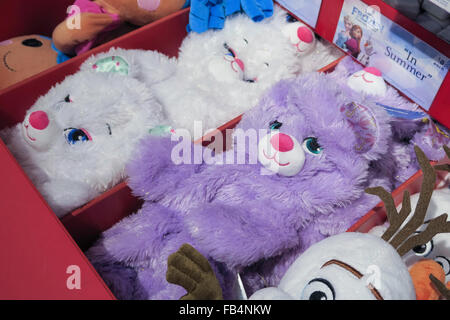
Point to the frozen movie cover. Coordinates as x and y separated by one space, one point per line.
307 10
407 62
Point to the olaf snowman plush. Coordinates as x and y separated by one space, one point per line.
75 140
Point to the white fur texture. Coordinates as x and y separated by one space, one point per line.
211 87
114 110
374 258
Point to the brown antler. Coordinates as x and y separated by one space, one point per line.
394 217
189 269
440 287
435 226
429 181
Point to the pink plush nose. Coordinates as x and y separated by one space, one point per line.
282 142
373 71
305 34
149 5
39 120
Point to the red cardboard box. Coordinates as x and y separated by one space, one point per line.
41 256
37 251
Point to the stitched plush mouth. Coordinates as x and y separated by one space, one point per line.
26 131
297 46
6 64
364 78
273 158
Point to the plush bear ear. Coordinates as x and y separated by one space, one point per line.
119 61
112 64
144 65
371 129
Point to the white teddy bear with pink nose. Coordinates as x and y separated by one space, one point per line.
75 140
222 74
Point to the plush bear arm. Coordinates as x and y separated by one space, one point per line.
154 66
155 169
238 236
91 24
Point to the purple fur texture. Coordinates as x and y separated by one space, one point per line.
242 221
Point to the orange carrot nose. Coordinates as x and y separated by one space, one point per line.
420 274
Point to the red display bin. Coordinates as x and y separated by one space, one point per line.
38 251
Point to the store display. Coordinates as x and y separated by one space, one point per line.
204 157
26 56
99 18
75 140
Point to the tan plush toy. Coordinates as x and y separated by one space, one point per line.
91 23
25 56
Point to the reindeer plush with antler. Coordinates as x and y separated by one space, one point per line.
344 266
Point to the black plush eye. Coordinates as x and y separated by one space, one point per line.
230 51
266 64
109 129
319 289
424 249
445 264
74 135
35 43
312 146
246 41
67 99
275 125
290 18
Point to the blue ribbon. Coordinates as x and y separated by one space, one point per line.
211 14
61 55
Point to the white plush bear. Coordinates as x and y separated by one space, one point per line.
222 74
219 74
75 140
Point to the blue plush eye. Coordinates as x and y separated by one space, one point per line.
312 146
275 125
74 135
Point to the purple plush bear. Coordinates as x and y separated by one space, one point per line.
310 145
